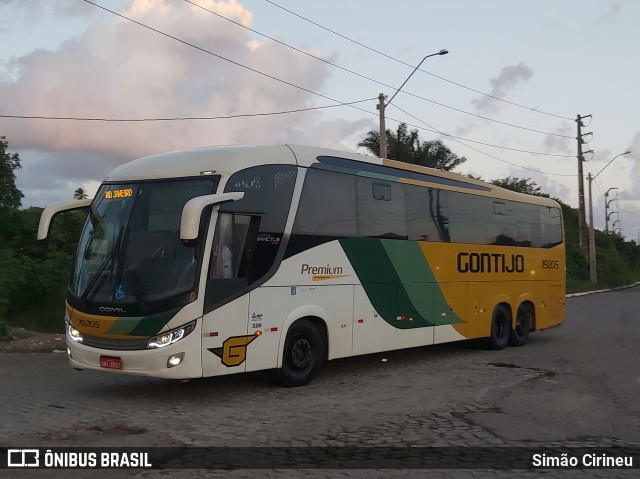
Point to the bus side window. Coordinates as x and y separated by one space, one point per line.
551 221
222 256
234 245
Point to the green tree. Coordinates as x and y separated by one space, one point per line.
10 198
406 146
10 195
79 194
520 185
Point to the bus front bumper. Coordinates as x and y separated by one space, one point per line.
147 362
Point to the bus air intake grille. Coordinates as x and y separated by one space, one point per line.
115 344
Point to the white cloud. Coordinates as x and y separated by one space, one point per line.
508 79
117 69
560 144
634 158
614 11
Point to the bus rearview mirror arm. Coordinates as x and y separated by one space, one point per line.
51 211
192 211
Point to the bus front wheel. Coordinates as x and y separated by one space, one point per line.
500 328
303 354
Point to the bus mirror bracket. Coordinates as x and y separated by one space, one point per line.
192 211
51 211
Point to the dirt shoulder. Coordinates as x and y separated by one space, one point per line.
26 341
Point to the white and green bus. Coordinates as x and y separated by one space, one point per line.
223 260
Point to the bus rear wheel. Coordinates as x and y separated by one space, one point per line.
303 355
520 333
500 328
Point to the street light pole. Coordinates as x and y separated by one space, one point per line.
382 105
593 274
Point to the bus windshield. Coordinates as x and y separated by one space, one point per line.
130 250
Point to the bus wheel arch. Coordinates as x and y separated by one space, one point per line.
500 327
524 323
304 351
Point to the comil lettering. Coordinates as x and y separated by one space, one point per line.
490 263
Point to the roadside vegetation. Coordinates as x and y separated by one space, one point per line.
34 276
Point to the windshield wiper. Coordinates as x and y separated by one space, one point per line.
98 276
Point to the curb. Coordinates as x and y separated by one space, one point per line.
617 288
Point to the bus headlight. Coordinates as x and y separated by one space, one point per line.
73 333
170 337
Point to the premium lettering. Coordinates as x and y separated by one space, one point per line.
490 263
306 269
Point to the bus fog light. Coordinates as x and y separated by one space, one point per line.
174 360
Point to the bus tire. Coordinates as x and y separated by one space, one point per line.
303 355
520 333
500 328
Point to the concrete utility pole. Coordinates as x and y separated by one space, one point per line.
582 236
606 209
383 129
382 105
593 272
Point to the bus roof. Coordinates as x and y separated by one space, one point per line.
226 160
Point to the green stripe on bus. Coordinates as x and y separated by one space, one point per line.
141 325
398 281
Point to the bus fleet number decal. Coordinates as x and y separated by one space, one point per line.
550 264
89 324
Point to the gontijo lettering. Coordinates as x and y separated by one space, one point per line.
490 263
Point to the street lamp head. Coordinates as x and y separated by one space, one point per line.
441 52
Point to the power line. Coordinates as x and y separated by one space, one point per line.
372 79
289 83
409 65
477 150
225 117
480 142
215 54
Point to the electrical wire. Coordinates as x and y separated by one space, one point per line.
296 86
479 151
372 79
409 65
215 54
480 142
225 117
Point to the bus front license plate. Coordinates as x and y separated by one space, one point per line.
110 362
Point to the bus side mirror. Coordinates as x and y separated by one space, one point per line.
50 212
192 211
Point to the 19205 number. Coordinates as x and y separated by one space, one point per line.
89 324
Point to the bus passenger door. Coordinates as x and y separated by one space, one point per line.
224 330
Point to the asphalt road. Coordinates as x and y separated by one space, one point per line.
577 385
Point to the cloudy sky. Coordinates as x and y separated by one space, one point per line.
517 75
